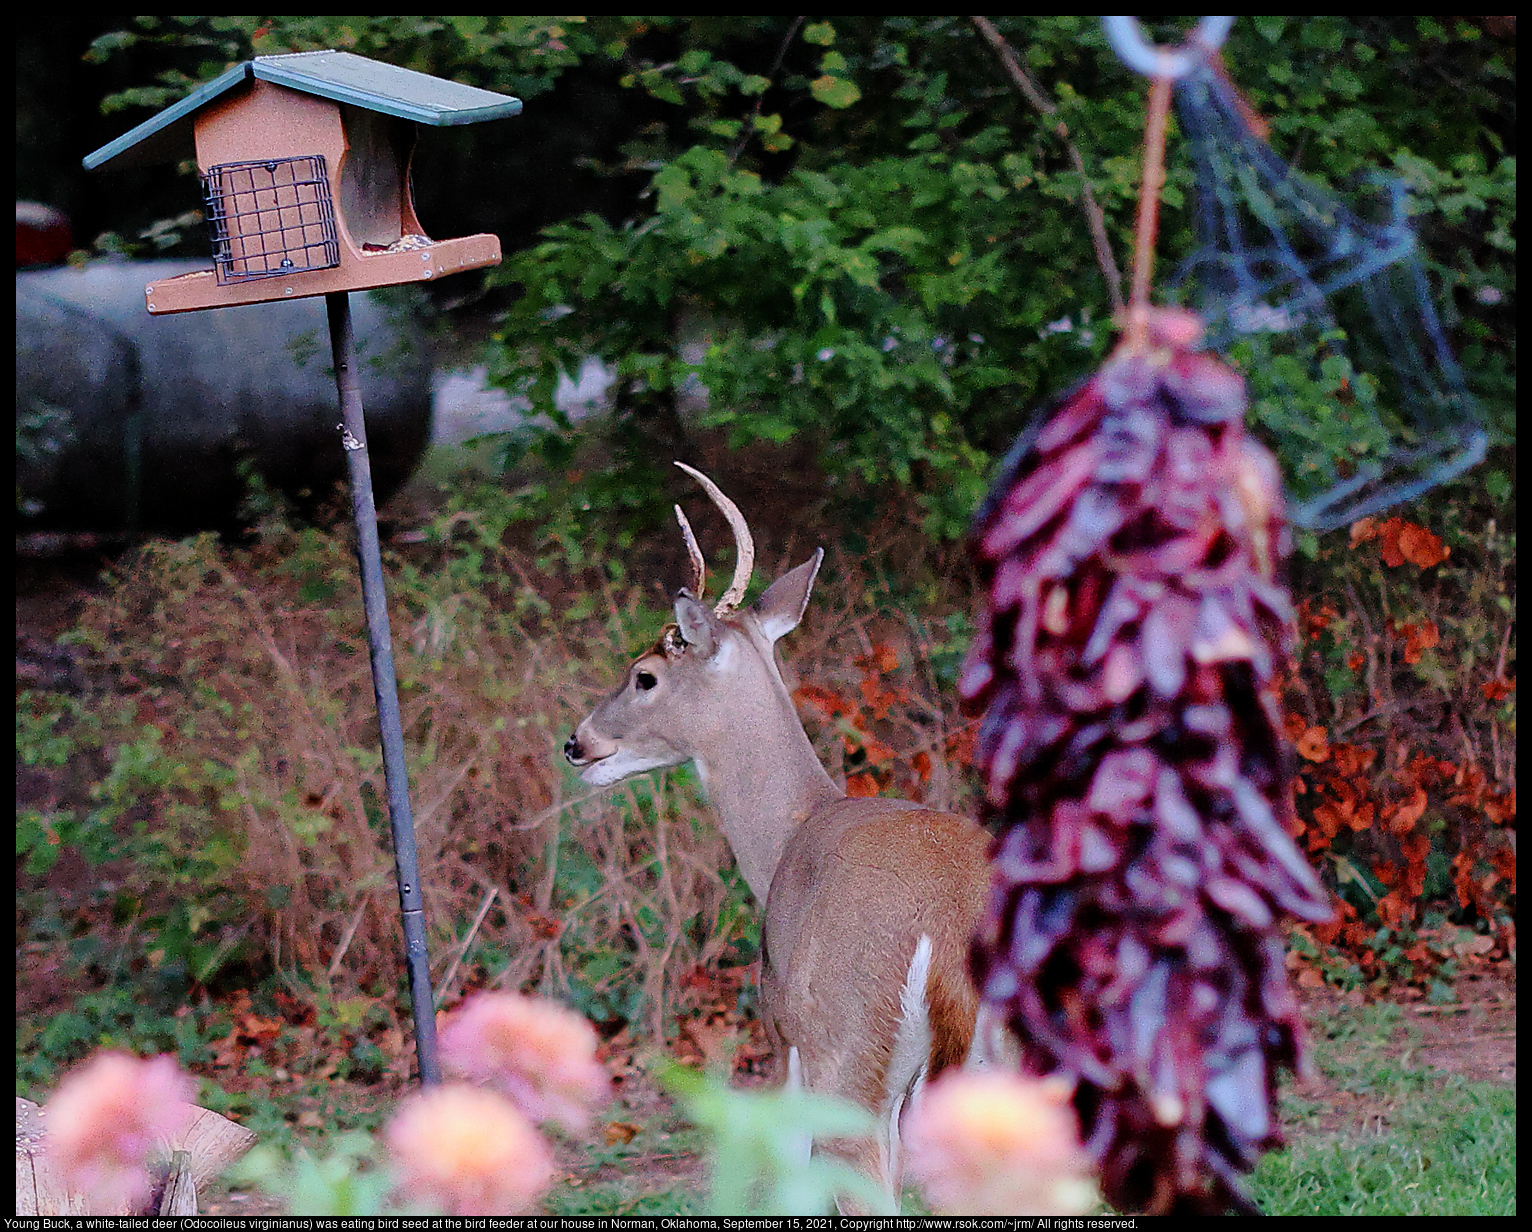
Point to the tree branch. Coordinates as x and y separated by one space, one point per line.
1094 218
771 74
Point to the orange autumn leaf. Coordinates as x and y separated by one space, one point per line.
1401 541
1501 809
1314 744
1388 533
1395 909
1403 816
960 745
1498 690
830 703
1327 819
860 785
877 752
1355 659
1362 818
1425 770
1314 621
1418 639
1420 547
1352 759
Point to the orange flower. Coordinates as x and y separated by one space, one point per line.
540 1055
993 1143
468 1152
104 1120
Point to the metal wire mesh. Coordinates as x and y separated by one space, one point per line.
270 218
1322 307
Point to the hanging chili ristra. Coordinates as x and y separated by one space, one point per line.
1134 758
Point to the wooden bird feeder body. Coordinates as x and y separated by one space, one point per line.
305 163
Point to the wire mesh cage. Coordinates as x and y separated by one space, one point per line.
270 218
1322 304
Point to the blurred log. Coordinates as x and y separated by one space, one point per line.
180 1197
203 1149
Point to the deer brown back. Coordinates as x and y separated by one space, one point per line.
860 860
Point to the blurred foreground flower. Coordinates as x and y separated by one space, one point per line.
105 1119
465 1151
1135 759
995 1143
539 1054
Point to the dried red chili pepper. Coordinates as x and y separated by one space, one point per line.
1134 760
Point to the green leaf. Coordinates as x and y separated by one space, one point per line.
834 92
1270 28
821 34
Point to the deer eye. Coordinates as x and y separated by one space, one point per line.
644 681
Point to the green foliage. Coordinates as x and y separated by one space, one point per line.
757 1142
917 272
519 55
116 1017
347 1181
1461 1160
858 233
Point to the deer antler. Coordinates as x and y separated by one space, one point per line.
744 545
699 566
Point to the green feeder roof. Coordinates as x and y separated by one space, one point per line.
337 75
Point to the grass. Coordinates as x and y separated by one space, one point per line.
633 1165
1415 1141
1453 1152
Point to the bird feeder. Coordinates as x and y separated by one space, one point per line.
305 166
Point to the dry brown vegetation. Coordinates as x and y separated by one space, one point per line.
230 690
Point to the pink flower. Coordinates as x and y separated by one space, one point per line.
995 1143
539 1054
468 1152
105 1119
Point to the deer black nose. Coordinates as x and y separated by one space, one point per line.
572 751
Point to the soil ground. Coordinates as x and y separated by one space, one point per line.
1473 1039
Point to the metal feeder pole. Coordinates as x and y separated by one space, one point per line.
385 688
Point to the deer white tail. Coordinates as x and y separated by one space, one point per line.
803 1146
910 1059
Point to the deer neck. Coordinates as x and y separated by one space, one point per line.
764 780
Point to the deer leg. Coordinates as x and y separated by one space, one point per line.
903 1081
866 1155
993 1044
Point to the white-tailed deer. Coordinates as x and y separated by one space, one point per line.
870 903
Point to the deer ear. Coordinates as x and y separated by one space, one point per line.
696 624
781 607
